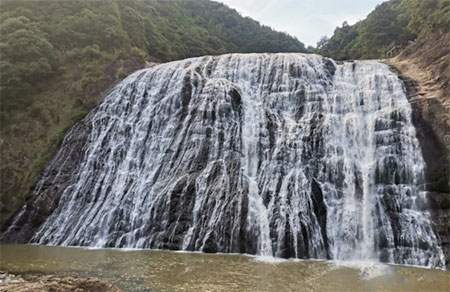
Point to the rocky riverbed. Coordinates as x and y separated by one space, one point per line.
52 283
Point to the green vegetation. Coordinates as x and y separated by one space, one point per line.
58 57
42 39
390 26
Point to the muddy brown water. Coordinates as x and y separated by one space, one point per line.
149 270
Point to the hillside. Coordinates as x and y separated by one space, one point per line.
59 57
387 30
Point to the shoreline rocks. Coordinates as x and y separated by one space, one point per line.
52 283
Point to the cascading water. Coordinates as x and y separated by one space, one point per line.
285 155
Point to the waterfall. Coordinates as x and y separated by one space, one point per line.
285 155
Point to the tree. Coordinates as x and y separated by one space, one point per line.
27 57
323 41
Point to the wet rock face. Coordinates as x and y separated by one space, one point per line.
440 210
429 119
437 173
57 176
284 155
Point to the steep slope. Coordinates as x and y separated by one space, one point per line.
59 57
425 67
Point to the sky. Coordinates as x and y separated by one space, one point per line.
307 20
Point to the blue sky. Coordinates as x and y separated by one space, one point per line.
308 20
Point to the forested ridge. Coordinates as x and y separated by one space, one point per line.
40 38
58 57
387 30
